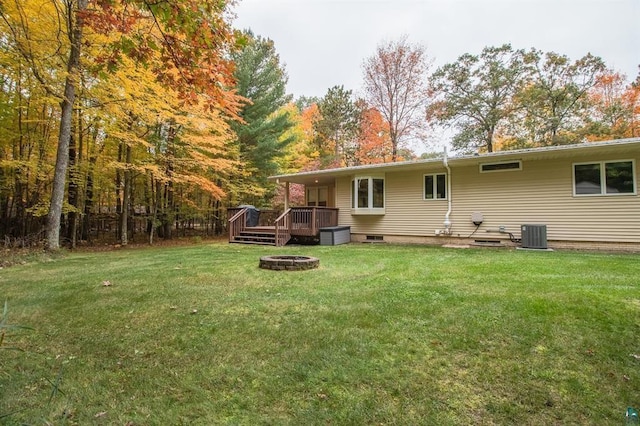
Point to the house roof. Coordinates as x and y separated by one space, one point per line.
324 176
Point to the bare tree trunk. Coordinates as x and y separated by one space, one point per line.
66 118
119 186
169 216
217 213
168 207
151 208
126 198
72 196
160 207
4 207
394 143
19 220
490 134
88 203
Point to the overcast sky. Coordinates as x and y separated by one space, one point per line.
324 42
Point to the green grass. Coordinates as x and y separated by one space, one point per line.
379 334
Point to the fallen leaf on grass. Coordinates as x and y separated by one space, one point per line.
636 356
106 283
100 414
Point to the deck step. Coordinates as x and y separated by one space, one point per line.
256 236
260 235
240 239
262 243
266 229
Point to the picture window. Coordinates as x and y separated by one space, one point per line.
368 196
604 178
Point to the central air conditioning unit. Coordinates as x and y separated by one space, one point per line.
534 236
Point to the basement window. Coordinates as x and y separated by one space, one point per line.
504 166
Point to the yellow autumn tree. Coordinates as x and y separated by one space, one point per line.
160 146
73 51
33 81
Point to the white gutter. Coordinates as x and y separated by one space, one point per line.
447 221
627 145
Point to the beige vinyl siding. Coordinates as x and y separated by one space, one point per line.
406 212
540 193
343 201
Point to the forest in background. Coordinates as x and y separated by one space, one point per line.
130 120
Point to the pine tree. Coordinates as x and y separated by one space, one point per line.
262 80
337 129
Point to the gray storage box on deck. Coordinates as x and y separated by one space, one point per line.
334 235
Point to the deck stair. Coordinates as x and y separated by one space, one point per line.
256 235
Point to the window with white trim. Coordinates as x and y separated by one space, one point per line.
367 195
435 186
604 178
502 166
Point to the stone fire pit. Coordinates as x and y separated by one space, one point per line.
289 263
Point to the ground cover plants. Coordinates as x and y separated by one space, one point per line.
379 334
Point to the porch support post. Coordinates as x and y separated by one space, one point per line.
286 196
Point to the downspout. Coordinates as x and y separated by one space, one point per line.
447 220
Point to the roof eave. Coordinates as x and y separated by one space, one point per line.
325 176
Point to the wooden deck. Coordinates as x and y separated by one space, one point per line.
277 229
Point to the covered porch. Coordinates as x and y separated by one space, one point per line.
277 228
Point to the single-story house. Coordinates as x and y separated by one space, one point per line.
572 196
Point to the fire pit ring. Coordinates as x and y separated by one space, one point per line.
289 263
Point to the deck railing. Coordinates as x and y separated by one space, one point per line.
283 228
307 221
237 222
266 217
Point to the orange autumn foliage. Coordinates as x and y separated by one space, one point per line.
374 143
615 108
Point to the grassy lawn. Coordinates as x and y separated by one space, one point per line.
379 334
